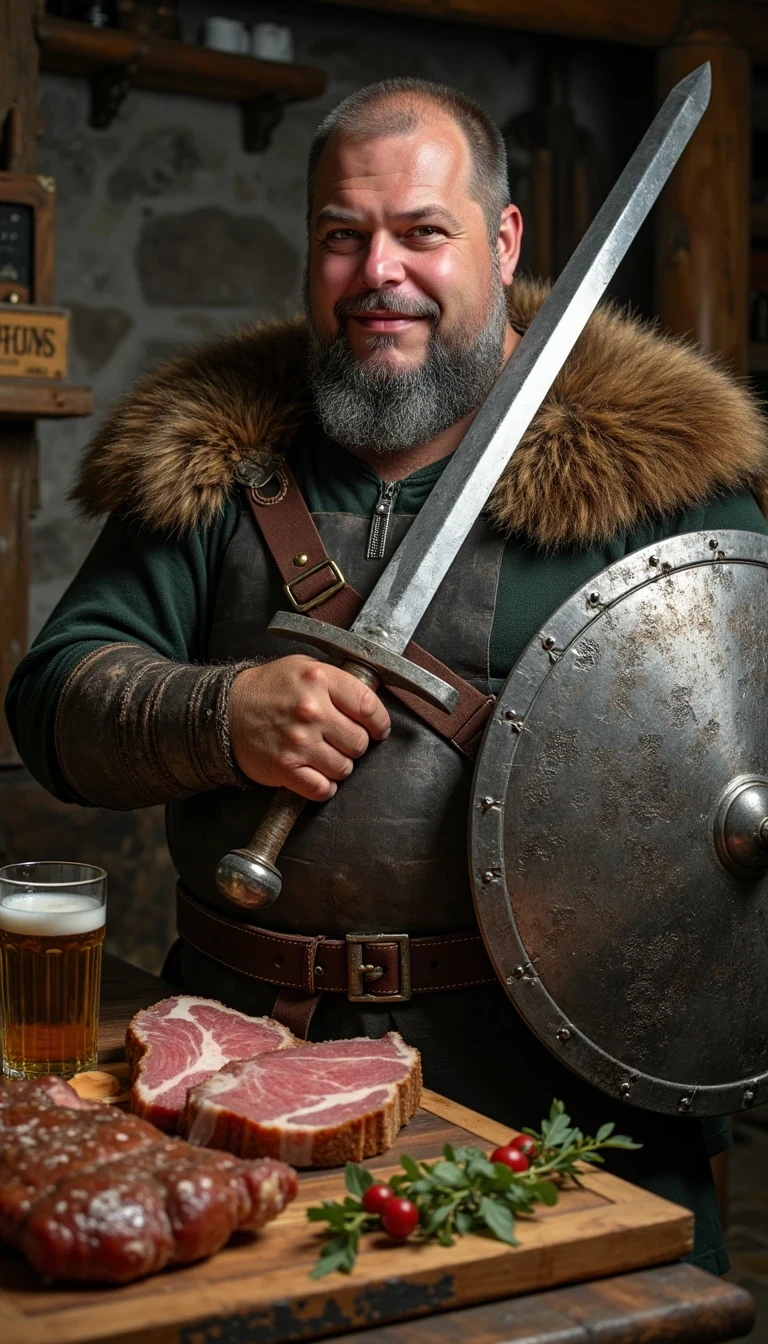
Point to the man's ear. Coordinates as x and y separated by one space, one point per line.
510 238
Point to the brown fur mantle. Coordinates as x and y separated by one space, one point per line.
636 426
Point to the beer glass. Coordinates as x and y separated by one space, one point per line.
52 920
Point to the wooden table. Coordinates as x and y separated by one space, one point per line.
674 1302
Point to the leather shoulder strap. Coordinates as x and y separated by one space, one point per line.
314 584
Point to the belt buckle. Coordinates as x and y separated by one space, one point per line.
335 587
359 971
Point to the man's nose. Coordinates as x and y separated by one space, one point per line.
382 263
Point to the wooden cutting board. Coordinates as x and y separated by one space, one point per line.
259 1290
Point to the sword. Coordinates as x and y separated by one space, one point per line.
372 649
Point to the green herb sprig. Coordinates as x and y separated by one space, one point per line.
465 1191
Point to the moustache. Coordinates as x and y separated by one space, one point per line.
384 301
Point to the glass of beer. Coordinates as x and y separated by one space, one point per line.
52 920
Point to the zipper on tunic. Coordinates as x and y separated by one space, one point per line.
382 515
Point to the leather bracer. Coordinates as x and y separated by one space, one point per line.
133 728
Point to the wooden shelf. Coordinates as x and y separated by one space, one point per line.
117 61
39 399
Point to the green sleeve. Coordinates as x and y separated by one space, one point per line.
137 587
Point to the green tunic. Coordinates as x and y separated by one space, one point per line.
158 591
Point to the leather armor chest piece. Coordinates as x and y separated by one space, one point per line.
389 851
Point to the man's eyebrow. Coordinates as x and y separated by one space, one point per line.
335 214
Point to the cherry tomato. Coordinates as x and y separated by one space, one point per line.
376 1197
511 1157
526 1144
399 1218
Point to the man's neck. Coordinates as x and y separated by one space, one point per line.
396 466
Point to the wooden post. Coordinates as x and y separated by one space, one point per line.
18 153
702 245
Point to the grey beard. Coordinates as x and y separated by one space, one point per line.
374 408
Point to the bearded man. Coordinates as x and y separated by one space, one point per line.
155 679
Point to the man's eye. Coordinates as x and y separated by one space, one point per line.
341 235
426 231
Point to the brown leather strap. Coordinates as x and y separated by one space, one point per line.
289 531
295 1010
314 965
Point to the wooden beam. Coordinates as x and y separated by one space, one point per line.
634 22
39 399
702 245
18 154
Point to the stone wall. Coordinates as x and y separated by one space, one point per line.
168 233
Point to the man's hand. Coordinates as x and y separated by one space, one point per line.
302 724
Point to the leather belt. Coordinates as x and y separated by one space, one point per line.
368 968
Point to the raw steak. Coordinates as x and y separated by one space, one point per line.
89 1193
180 1042
314 1105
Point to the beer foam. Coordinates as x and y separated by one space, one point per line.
51 914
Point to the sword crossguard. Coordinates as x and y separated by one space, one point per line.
391 668
248 877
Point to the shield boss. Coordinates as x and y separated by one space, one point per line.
619 828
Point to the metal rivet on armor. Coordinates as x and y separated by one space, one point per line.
486 803
488 876
748 1096
713 544
300 559
509 714
666 568
684 1104
653 560
593 599
563 1034
625 1089
319 970
517 974
547 642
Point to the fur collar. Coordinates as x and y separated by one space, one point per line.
637 426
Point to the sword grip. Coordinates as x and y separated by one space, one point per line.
248 877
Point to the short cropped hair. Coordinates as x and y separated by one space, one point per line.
396 107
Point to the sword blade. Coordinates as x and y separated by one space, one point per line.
418 567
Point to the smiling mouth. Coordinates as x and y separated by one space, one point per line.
386 321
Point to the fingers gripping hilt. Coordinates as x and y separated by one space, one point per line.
248 877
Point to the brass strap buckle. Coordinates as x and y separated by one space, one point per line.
335 587
360 972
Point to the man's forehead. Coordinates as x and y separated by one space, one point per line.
430 165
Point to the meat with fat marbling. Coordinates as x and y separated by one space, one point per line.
315 1105
181 1041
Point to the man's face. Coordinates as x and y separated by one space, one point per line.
393 226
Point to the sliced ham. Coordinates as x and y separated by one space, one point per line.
181 1041
314 1105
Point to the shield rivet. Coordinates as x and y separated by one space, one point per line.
547 642
517 974
653 561
487 876
684 1104
748 1097
509 715
593 599
486 803
625 1089
564 1034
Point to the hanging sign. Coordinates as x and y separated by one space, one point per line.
34 341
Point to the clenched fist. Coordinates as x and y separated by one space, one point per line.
302 724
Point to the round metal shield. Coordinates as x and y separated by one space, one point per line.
619 828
